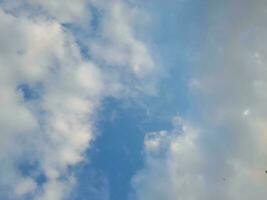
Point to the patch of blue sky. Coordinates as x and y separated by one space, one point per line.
29 92
29 168
175 40
117 153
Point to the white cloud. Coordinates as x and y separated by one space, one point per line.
189 163
41 52
26 186
63 11
225 157
118 45
172 169
51 131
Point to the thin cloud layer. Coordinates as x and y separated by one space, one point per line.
224 156
50 92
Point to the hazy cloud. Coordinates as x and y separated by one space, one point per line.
226 157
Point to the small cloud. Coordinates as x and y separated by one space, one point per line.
246 112
24 187
194 84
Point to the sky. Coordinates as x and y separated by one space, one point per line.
133 100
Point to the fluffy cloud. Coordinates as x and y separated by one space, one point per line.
224 157
172 165
65 11
50 93
51 129
119 46
190 163
119 49
62 11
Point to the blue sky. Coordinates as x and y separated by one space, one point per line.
133 100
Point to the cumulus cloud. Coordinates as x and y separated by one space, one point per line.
69 11
119 46
50 92
172 165
65 11
224 156
191 163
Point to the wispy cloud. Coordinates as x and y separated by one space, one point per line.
224 156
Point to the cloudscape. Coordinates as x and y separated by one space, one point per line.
133 100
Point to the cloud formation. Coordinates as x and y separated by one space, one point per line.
50 92
221 153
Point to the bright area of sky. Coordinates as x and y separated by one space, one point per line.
133 100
